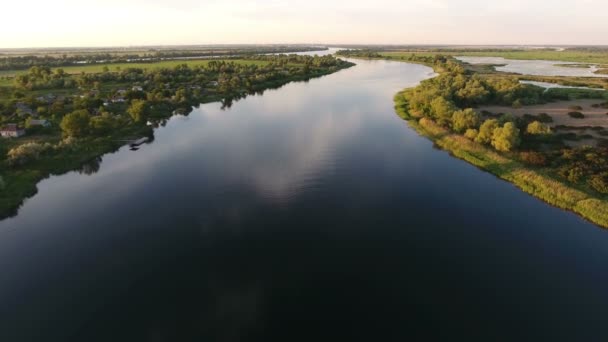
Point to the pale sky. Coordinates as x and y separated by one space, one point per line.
44 23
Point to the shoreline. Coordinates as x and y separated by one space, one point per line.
19 185
531 181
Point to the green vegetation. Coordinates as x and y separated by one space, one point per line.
578 55
71 120
523 151
130 58
576 115
117 67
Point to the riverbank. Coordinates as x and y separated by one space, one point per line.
532 181
59 155
449 111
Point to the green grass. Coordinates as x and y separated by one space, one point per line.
97 68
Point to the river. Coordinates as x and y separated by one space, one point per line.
310 212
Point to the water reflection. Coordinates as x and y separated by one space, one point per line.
91 167
534 67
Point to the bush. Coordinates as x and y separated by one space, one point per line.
600 182
533 158
538 128
465 119
471 134
486 131
545 118
573 174
506 138
26 153
575 108
576 115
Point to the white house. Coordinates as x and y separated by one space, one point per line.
12 131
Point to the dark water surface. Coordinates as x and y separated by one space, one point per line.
309 213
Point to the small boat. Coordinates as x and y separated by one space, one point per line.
139 142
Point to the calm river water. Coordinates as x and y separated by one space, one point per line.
309 213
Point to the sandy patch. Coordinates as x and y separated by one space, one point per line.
559 112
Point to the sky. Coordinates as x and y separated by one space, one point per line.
67 23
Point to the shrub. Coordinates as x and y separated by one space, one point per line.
486 131
600 182
576 115
533 158
506 138
465 119
572 174
545 118
25 153
538 128
471 134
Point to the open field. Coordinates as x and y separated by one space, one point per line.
559 112
595 57
97 68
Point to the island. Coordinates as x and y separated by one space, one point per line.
62 112
550 142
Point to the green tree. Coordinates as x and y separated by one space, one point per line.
473 92
486 131
76 124
465 119
538 128
137 110
102 124
506 138
442 110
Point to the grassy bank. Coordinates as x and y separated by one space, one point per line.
536 182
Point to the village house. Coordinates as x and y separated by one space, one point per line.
12 131
23 109
48 99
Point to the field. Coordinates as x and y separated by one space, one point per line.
595 57
97 68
